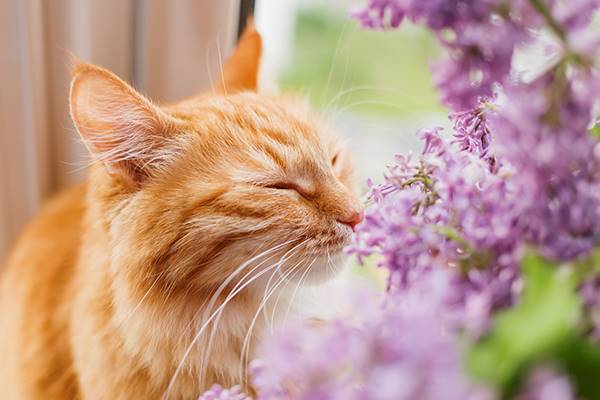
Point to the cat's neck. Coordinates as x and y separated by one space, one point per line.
189 343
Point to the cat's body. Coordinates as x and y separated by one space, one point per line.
59 309
189 209
36 299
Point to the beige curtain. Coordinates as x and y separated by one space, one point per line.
168 49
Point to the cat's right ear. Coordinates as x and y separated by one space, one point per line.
119 126
240 72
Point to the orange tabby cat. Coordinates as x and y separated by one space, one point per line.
188 209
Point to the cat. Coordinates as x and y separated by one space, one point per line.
188 209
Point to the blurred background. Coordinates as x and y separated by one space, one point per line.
374 87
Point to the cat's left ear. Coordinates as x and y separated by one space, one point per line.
240 72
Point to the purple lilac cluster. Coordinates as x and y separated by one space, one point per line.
405 350
399 352
448 210
558 163
538 129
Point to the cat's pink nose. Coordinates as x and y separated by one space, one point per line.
353 219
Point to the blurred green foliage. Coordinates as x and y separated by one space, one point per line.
339 64
595 130
544 328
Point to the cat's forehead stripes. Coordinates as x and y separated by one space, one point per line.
262 117
272 135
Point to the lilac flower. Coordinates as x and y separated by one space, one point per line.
447 211
440 14
216 392
433 143
479 57
574 14
546 140
400 351
380 14
471 130
437 14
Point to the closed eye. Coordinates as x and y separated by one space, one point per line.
282 186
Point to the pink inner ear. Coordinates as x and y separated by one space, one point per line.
119 126
107 115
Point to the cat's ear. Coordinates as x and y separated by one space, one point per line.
240 72
119 126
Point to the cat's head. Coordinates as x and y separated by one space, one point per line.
227 181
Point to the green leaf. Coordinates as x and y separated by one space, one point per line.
595 131
544 320
588 266
581 360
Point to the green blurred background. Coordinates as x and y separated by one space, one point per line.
374 73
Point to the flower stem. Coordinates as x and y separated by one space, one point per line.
541 7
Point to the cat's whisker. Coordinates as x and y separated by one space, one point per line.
228 281
333 268
214 314
267 288
139 304
328 107
363 102
221 66
216 293
330 265
276 266
261 306
269 322
202 329
232 275
246 344
291 301
338 48
207 352
345 75
207 57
